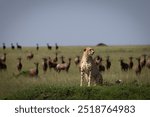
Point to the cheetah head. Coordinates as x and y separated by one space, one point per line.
89 51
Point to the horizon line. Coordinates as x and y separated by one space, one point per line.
79 45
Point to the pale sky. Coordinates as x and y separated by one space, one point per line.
75 22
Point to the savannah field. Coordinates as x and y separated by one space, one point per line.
53 85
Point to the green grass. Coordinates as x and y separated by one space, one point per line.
66 86
119 92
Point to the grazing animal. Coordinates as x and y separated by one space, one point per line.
148 62
44 64
49 47
31 72
88 68
3 65
108 63
130 63
56 58
138 67
56 46
4 46
77 60
62 59
34 71
18 46
12 46
30 55
37 46
124 66
3 58
143 60
19 64
98 60
101 67
64 66
51 64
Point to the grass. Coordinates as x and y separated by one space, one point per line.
119 92
66 86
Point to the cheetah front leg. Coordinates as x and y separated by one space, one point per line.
81 80
89 79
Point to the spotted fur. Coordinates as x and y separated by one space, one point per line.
88 68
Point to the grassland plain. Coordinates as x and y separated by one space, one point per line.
53 85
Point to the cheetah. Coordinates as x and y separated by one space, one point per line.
88 68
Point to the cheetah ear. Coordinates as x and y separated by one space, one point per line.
84 49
